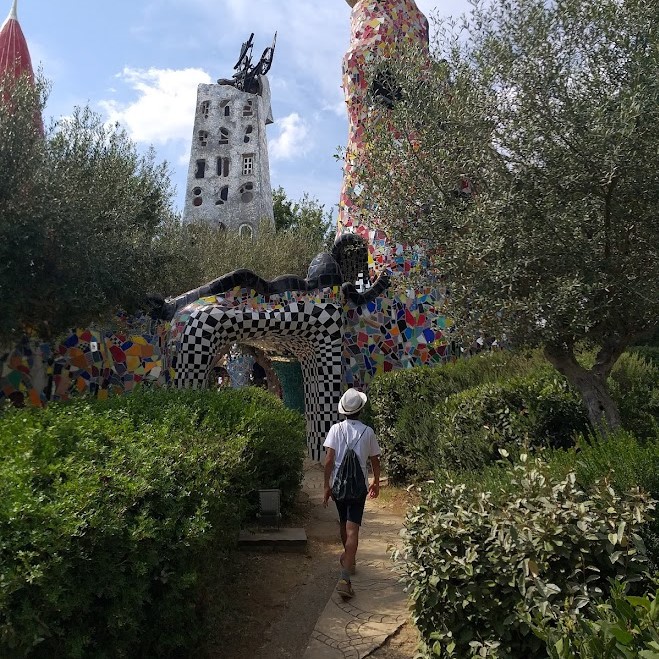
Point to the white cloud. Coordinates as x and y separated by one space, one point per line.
338 108
312 37
292 140
165 104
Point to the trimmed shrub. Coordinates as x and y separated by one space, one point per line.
273 456
402 399
110 512
482 569
457 416
649 353
466 431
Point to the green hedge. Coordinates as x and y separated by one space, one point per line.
457 416
538 411
466 430
634 385
413 394
111 512
649 353
272 457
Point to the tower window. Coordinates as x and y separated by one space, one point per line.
201 169
224 136
248 109
196 191
247 192
223 167
204 109
248 165
246 232
224 195
224 105
203 137
248 131
197 201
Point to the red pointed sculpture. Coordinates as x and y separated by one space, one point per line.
14 54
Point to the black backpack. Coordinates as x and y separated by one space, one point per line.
349 482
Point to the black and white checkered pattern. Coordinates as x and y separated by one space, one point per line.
312 332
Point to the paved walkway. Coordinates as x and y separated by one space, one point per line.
354 628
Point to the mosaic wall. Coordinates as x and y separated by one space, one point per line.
398 331
381 336
99 362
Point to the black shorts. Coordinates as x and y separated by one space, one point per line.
351 510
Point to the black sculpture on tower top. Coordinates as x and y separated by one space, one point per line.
246 76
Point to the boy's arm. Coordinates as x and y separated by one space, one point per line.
374 489
329 465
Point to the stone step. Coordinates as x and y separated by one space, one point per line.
283 539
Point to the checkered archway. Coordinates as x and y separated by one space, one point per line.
313 332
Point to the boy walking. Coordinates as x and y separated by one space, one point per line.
355 435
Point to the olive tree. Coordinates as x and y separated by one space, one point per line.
524 156
79 207
307 216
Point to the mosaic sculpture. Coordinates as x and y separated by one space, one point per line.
246 76
341 323
406 329
379 28
302 318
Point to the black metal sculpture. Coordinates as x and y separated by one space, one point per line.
246 76
341 267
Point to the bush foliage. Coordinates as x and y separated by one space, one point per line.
109 512
634 385
482 569
622 627
402 402
457 417
467 430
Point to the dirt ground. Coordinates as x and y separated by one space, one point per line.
278 597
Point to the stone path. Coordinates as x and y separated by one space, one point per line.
352 629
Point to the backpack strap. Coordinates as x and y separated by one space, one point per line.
358 440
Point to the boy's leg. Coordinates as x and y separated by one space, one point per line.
352 542
343 586
353 515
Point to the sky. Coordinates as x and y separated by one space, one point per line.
139 62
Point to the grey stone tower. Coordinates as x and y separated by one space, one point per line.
229 174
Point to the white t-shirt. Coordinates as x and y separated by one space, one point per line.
352 430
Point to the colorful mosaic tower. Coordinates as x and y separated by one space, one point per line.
379 29
401 330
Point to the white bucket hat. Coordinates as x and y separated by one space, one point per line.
352 402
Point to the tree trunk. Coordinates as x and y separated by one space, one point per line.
602 409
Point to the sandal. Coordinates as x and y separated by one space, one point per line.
344 588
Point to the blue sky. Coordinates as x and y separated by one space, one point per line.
139 62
